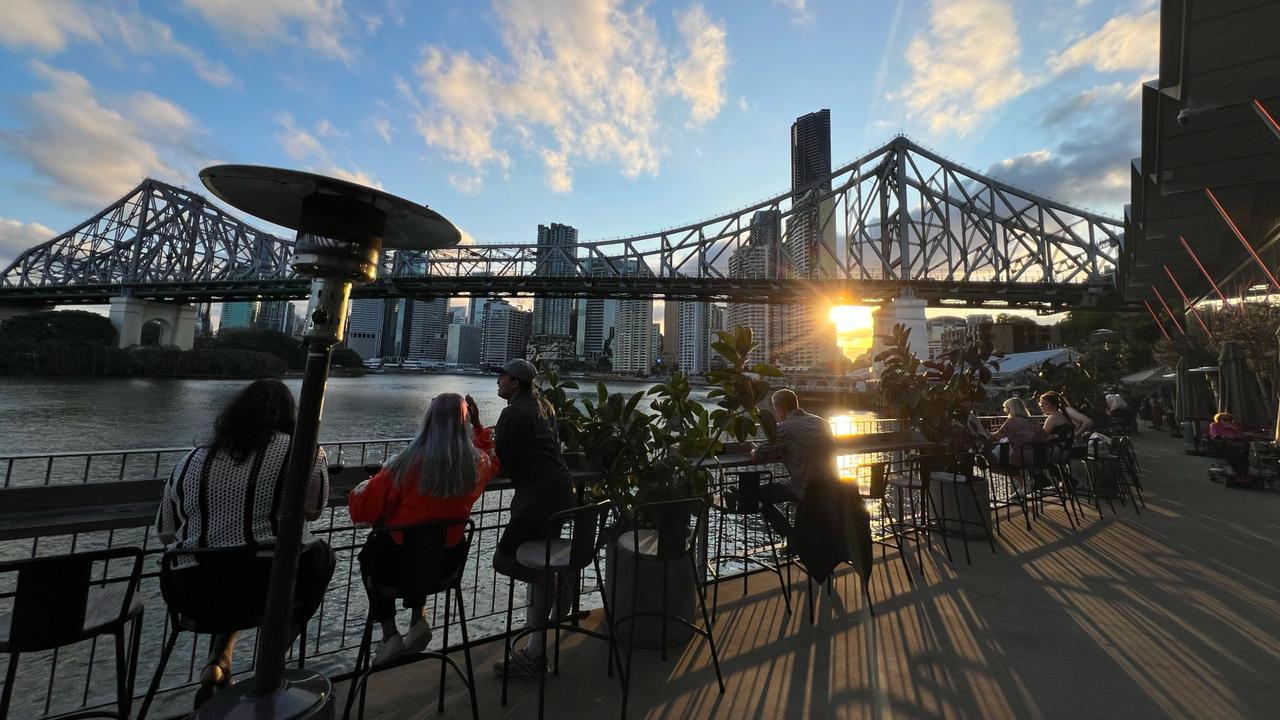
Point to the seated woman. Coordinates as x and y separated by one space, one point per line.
1018 429
1225 428
438 476
1058 426
224 494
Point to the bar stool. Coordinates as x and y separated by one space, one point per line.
429 565
563 557
907 486
743 506
964 470
57 602
877 492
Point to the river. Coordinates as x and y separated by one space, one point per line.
57 414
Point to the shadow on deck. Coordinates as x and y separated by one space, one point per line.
1173 613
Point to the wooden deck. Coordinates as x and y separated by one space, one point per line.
1173 613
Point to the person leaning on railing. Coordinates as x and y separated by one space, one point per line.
439 476
528 446
227 494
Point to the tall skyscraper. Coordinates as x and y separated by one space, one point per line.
457 315
596 328
555 253
463 345
810 246
475 305
237 315
633 349
504 333
759 258
671 334
274 315
428 329
698 323
364 327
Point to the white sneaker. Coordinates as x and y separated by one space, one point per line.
418 637
388 650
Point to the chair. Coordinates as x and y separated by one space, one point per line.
57 602
964 470
1122 448
1006 469
1043 477
428 566
565 557
201 601
1106 481
826 537
907 486
746 505
877 492
672 539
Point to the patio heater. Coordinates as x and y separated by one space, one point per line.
341 230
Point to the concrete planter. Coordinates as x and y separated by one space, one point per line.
621 578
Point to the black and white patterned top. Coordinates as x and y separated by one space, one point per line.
213 501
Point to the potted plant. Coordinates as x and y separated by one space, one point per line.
660 452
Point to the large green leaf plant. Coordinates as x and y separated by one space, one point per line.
661 452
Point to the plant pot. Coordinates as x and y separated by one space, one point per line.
623 577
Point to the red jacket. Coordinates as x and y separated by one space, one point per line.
379 499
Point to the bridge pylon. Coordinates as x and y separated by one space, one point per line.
177 321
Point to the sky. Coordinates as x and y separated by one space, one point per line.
615 117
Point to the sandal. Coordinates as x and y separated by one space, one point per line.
215 676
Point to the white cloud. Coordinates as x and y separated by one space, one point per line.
92 150
597 98
17 237
1087 165
48 26
700 78
1124 43
306 147
743 105
467 184
965 65
382 128
799 13
321 25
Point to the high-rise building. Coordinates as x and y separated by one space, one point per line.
428 327
555 259
670 334
463 345
237 315
698 323
475 305
633 351
595 333
655 344
457 315
274 315
810 245
364 327
759 258
504 333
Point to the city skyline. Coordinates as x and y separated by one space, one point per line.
454 112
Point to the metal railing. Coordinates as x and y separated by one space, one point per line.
82 676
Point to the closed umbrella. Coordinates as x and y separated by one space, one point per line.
1238 390
1192 399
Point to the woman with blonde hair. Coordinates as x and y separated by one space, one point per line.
1018 429
439 476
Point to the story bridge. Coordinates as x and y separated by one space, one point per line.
900 217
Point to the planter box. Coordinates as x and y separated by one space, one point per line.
621 578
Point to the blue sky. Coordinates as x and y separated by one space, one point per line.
616 117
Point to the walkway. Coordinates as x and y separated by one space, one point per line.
1174 613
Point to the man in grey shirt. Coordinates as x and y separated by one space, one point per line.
805 445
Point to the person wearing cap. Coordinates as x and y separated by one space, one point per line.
528 447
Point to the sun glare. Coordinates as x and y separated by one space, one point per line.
849 318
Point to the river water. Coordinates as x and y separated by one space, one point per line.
44 414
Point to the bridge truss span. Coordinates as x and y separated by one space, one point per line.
900 216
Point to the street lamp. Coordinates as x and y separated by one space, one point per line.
342 228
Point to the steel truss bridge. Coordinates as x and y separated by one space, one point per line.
898 217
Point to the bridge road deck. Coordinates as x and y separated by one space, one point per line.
1173 613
